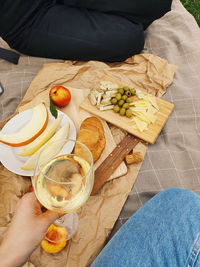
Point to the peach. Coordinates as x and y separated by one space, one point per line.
60 95
55 239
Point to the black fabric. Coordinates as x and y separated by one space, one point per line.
9 55
142 11
108 30
15 15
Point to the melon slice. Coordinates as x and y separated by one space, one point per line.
52 149
30 131
31 148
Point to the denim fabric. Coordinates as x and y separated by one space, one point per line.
165 232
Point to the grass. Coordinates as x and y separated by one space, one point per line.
193 6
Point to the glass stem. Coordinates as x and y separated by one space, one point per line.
60 220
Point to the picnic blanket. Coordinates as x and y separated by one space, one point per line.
174 160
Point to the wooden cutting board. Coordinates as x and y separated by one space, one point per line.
150 135
105 170
78 115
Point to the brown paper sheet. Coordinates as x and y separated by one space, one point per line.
98 215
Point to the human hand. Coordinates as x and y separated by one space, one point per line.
27 229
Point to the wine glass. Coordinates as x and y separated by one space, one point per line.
63 181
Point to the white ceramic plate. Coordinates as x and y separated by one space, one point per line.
8 154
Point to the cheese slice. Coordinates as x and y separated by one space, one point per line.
136 113
151 117
152 110
142 103
145 112
139 93
140 124
143 117
139 109
152 100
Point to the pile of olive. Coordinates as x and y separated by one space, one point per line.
122 100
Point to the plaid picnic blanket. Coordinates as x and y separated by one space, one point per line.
173 161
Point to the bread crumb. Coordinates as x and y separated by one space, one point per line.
136 157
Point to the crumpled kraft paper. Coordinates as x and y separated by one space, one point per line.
98 215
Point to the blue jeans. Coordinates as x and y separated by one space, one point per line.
165 232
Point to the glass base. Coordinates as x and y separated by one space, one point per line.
70 222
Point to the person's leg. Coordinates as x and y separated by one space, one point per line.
165 232
143 11
79 34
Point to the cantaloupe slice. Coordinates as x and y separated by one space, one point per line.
52 148
31 148
30 131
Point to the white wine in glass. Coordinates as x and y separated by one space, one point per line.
64 182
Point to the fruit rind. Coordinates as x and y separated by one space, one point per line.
4 138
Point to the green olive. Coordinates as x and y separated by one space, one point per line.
126 88
121 102
122 111
128 113
116 108
114 101
121 91
128 93
118 96
126 105
124 97
133 91
128 100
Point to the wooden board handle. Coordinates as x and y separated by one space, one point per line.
109 165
